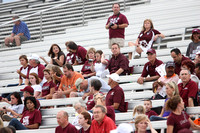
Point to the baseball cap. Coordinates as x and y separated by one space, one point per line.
28 89
170 63
198 53
114 77
151 51
78 83
34 57
195 31
123 128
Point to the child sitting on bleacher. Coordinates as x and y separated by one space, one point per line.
139 109
148 106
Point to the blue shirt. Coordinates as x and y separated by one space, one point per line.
21 28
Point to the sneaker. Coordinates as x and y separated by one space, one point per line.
6 117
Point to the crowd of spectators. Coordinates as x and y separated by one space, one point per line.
178 84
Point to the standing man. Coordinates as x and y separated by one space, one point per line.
118 63
116 25
19 33
150 67
188 89
178 59
64 125
101 122
115 97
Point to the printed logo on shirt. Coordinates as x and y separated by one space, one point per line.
114 20
87 67
112 93
26 120
185 88
45 88
78 59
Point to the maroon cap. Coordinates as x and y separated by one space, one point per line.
28 89
151 51
195 31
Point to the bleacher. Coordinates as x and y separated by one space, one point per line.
174 18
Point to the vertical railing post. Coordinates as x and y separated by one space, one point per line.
124 5
83 12
40 26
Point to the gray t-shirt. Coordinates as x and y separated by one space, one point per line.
105 87
192 49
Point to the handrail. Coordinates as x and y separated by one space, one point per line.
39 12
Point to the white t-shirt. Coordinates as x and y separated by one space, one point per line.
17 108
37 88
100 70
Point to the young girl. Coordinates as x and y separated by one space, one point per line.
48 87
100 65
145 39
139 109
86 69
35 84
85 121
57 56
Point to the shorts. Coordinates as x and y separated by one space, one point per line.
22 38
119 41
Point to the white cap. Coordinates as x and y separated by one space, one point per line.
33 57
198 53
123 128
114 77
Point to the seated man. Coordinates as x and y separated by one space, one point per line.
118 63
178 59
79 52
188 89
67 84
115 97
64 125
84 84
101 122
19 33
159 85
150 68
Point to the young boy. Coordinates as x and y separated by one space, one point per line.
148 106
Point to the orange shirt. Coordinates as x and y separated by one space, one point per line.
104 127
69 83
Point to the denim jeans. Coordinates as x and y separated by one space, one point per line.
17 124
117 111
156 118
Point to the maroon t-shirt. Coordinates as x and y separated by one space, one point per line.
117 62
111 112
150 69
116 95
70 58
81 55
46 87
178 121
38 106
119 32
86 69
29 118
90 103
28 67
82 130
189 90
150 113
147 39
68 129
178 66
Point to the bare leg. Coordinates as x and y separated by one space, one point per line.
17 40
8 40
131 44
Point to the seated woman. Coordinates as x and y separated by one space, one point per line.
15 109
100 65
84 119
178 119
86 69
145 39
70 57
57 56
31 119
56 75
171 90
141 124
35 84
48 87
